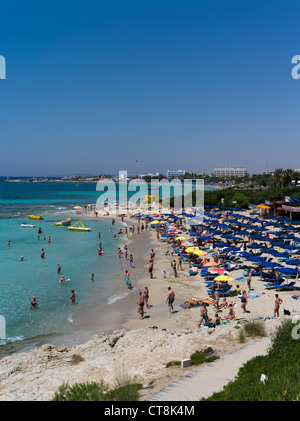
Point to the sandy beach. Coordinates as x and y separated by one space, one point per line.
140 349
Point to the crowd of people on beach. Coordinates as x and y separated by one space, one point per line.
179 261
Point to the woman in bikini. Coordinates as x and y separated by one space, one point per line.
278 301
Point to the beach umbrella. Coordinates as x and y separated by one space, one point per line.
270 265
210 264
218 271
228 249
221 244
192 249
187 244
180 238
256 259
200 253
154 222
77 207
293 262
223 278
287 271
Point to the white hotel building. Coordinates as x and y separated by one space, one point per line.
230 172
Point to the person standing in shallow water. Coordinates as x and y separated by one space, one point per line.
33 303
73 297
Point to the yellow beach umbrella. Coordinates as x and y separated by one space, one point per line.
192 249
77 207
200 253
180 238
154 222
223 278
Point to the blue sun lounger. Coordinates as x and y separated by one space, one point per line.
286 287
274 284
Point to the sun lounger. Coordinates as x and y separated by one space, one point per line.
274 284
290 286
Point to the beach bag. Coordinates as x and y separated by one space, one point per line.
286 312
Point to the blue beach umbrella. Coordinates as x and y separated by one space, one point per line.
271 265
295 262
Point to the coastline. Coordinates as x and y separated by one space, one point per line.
128 346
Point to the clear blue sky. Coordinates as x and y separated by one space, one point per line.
94 86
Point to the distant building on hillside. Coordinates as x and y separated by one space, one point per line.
230 172
175 173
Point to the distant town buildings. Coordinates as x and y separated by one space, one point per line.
230 172
175 173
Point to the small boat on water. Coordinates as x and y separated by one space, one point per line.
35 217
24 225
77 227
64 222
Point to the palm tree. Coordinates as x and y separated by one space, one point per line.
288 176
278 178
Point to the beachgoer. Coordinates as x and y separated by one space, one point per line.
42 253
120 252
244 301
21 258
33 303
249 279
150 269
203 312
278 301
217 320
8 243
231 313
215 296
49 239
62 279
173 266
131 260
224 304
164 273
73 297
140 304
146 295
92 277
152 255
58 268
170 299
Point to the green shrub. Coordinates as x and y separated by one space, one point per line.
255 329
97 392
197 358
82 392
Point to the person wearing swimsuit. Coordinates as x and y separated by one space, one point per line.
278 301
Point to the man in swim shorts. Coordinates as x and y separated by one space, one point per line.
170 299
140 304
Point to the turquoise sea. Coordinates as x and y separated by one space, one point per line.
76 252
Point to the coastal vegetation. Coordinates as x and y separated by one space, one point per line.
197 358
97 392
281 369
252 329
